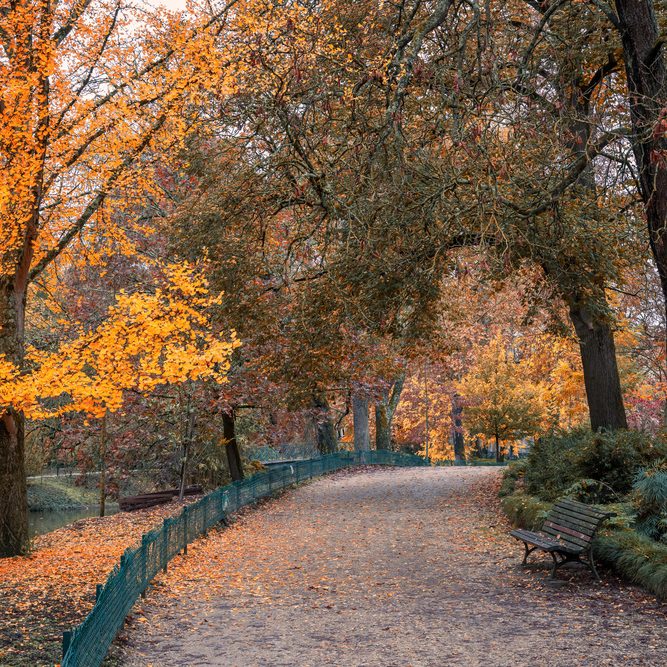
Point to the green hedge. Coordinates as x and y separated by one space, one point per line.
525 511
513 473
606 461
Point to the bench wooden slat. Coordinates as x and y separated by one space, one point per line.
583 509
569 522
567 530
569 541
541 541
573 525
571 516
575 514
566 534
546 542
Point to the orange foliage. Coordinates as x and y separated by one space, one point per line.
424 413
147 340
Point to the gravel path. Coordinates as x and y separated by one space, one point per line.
388 567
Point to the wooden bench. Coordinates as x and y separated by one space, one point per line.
145 500
567 534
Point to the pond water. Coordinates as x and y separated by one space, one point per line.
45 522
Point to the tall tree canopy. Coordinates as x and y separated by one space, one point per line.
361 180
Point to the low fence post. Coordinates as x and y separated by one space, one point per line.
165 544
205 518
98 592
123 568
224 503
67 640
144 565
185 530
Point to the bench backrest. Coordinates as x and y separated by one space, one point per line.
573 522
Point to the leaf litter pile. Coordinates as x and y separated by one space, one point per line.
52 589
404 567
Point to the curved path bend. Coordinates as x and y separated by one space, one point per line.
382 568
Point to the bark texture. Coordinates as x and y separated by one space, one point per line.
232 446
385 408
327 440
186 443
598 357
362 442
457 431
646 72
14 537
103 465
499 454
592 326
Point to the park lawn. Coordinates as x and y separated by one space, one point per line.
53 588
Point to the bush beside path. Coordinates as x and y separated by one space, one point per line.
381 568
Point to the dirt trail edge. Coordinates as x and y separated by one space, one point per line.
389 567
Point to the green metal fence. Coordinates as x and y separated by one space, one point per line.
474 463
87 645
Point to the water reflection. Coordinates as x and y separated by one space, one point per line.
45 522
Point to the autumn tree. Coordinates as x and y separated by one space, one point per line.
273 239
392 140
500 404
321 107
615 149
88 89
641 346
542 208
423 417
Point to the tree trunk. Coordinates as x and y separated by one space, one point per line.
327 441
499 456
14 277
14 537
384 413
13 490
457 422
188 435
646 74
103 465
232 445
598 357
427 425
382 426
362 442
596 338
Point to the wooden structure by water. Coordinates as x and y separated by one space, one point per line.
144 500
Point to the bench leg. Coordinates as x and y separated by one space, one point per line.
556 564
591 565
589 562
529 551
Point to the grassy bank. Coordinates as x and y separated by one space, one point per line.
54 494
